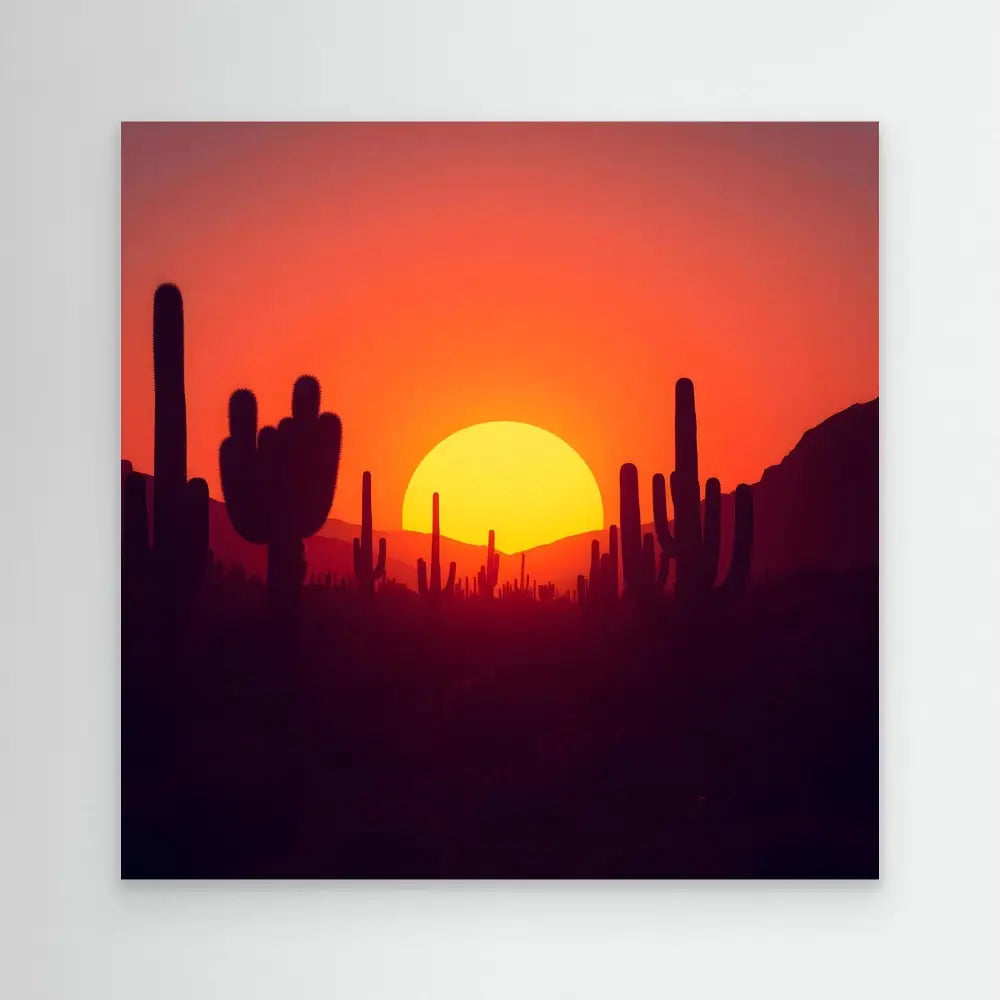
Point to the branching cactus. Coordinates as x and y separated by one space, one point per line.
490 573
693 546
179 552
279 483
364 572
433 589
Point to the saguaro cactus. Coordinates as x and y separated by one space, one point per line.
279 483
638 571
434 588
179 552
490 573
694 547
364 572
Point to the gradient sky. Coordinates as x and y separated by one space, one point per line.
437 276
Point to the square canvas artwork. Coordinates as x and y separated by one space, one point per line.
499 500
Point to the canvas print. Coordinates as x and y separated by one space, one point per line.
499 500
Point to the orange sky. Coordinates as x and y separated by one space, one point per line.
436 276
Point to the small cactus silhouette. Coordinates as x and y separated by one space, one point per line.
364 572
433 589
178 556
602 583
490 573
279 483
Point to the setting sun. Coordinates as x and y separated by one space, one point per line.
525 483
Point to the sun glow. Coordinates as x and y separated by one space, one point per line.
525 483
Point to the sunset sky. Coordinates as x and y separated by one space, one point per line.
437 276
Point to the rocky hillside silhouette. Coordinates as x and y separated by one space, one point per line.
818 507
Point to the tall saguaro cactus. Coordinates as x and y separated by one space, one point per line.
364 572
279 483
179 551
434 588
693 546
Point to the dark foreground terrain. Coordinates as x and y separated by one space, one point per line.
468 740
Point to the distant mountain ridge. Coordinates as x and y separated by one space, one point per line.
815 509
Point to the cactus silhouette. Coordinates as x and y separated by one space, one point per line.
279 483
364 572
602 583
695 547
488 574
434 589
179 553
638 555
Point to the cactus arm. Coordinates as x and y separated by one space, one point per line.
712 534
449 587
322 464
243 488
196 529
660 521
379 570
422 577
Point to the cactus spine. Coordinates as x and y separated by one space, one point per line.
179 553
364 572
279 483
434 589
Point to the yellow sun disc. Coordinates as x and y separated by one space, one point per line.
525 483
